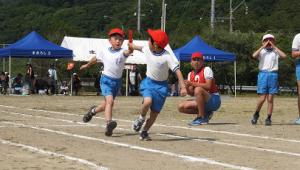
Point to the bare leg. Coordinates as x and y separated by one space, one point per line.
260 102
188 106
109 102
270 104
298 83
146 105
202 96
150 120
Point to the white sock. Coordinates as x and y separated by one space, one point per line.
141 117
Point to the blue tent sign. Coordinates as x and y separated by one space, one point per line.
210 53
34 45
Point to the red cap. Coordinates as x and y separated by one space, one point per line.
159 37
197 55
116 31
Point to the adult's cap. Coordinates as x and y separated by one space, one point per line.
159 37
116 31
268 36
197 55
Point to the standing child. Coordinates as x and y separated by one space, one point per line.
113 59
296 55
201 84
267 79
154 87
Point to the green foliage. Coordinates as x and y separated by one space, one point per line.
185 18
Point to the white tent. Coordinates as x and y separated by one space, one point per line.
84 47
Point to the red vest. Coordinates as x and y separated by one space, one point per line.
199 78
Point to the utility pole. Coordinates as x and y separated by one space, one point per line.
230 16
139 16
212 15
163 15
231 11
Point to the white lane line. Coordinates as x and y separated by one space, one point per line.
49 118
134 147
180 137
179 127
49 153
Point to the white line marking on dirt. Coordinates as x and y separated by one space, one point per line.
184 157
177 127
49 118
49 153
174 136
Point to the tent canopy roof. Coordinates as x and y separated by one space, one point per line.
83 48
34 45
210 53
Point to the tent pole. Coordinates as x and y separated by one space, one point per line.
71 84
3 64
234 79
126 82
9 73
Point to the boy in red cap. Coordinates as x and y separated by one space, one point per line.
154 87
201 84
113 59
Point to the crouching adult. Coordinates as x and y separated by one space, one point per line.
201 85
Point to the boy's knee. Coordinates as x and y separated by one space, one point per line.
198 91
180 107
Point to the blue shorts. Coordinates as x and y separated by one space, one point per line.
213 104
267 82
156 90
109 86
298 69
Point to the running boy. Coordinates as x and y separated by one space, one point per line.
154 87
201 84
113 59
267 79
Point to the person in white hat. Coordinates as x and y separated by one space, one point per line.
296 55
267 80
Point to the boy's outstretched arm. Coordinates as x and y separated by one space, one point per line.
183 90
92 61
134 47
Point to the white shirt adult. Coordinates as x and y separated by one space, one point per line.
268 60
158 65
113 61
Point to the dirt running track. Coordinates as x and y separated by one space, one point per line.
46 132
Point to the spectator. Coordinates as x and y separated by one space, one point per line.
64 88
30 78
173 84
134 79
76 84
2 82
17 84
52 79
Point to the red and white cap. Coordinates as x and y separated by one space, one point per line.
159 37
197 55
116 31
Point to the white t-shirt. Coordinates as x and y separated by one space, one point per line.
113 61
296 43
132 75
208 74
158 65
268 60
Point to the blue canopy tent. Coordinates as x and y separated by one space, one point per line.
34 45
210 54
